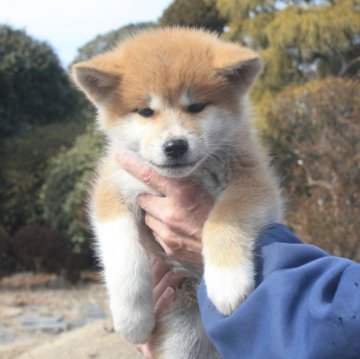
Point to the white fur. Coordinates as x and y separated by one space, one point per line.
156 102
218 133
227 287
128 133
127 276
185 99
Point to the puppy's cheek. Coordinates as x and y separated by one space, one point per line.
151 146
129 134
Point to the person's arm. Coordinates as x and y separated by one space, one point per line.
306 305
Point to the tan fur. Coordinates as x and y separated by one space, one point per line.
165 66
169 73
108 203
230 216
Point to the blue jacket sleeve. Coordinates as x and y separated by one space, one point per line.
306 305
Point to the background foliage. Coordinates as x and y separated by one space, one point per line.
105 42
28 66
24 166
64 192
314 131
298 40
306 98
200 13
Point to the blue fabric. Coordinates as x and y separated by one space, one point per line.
306 305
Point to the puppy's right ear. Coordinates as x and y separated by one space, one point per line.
98 82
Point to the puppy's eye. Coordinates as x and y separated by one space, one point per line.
196 107
145 112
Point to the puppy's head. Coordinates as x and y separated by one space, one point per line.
173 96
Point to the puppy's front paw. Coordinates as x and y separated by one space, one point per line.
134 324
227 287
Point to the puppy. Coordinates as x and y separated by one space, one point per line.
178 99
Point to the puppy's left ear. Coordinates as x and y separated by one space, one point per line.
97 79
239 65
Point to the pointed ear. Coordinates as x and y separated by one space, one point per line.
239 65
98 83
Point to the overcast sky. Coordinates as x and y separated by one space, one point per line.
69 24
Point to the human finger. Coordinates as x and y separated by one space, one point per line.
169 218
159 268
182 254
170 280
154 205
164 302
145 350
178 219
147 174
170 240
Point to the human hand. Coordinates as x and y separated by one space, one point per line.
164 283
176 216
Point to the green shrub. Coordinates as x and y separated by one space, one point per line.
40 249
24 161
7 260
64 193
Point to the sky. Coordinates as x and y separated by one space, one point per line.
68 24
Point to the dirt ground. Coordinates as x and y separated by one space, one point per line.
42 317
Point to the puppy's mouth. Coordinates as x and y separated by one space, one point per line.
175 169
175 165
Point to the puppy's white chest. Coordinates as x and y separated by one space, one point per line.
129 186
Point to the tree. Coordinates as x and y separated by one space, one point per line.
34 88
105 42
298 40
199 13
314 133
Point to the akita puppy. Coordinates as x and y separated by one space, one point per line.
178 99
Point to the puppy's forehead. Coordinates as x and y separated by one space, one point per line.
159 102
167 60
169 67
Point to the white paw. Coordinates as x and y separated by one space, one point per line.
227 287
134 324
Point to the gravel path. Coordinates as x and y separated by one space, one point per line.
43 317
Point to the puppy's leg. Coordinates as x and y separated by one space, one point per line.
126 265
229 235
180 335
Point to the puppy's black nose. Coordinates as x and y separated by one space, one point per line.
175 148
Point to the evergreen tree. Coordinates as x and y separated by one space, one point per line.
34 88
105 42
298 40
199 13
